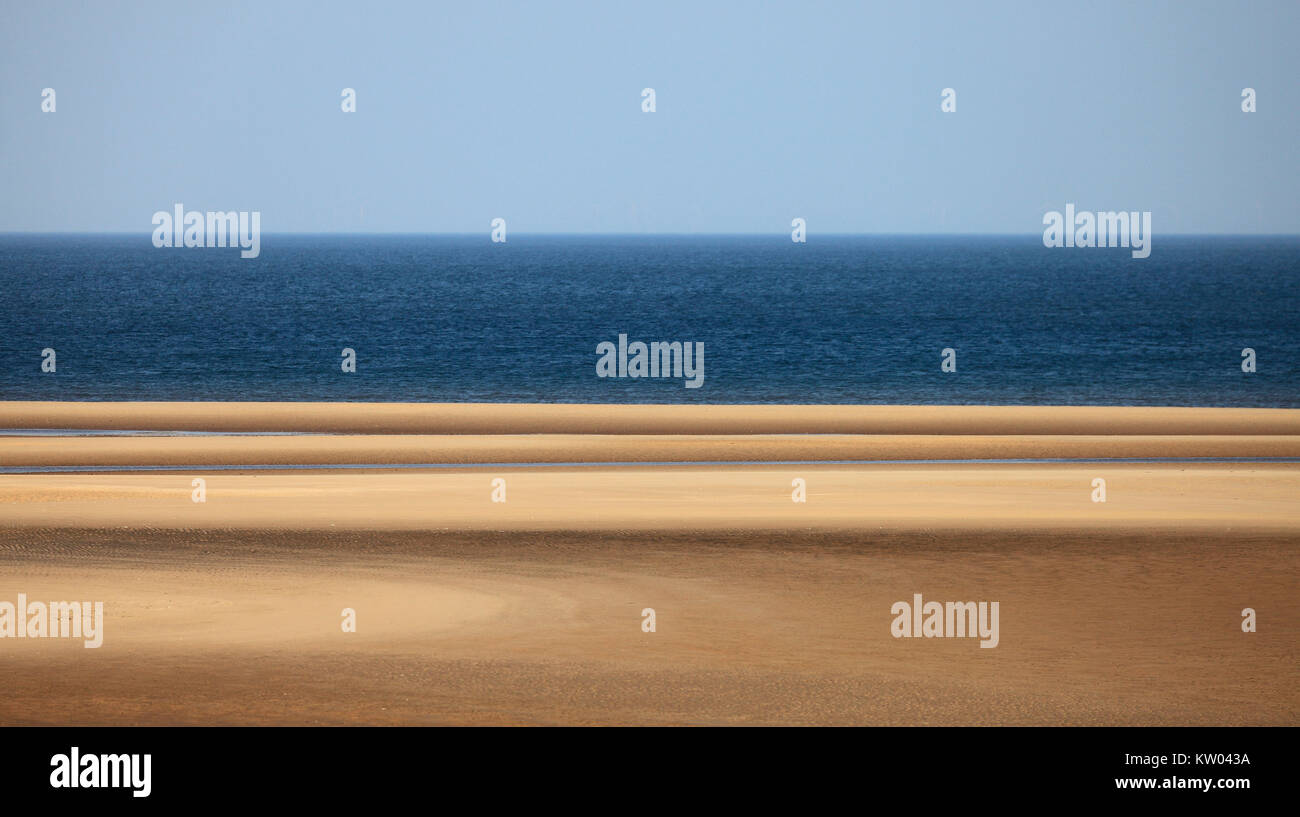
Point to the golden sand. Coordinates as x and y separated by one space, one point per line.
767 610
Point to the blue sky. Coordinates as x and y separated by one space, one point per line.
765 112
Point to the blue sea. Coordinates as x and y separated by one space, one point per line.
840 319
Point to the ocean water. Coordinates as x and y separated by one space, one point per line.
840 319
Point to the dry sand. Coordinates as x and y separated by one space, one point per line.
595 448
768 611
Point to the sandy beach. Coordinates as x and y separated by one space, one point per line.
767 610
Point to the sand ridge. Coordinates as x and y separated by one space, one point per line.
1178 497
561 418
381 449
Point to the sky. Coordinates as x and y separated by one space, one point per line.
532 112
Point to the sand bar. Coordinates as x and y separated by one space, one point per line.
548 418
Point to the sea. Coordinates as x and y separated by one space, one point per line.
835 320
